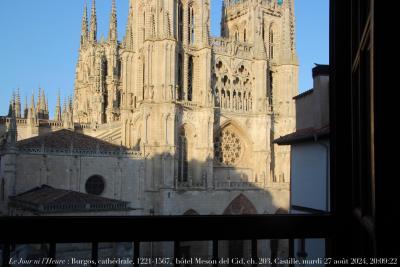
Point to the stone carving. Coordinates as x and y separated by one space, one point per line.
228 147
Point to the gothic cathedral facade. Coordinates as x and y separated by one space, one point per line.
205 110
198 113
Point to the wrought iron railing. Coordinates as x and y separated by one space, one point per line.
53 230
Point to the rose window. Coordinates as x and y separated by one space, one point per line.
228 147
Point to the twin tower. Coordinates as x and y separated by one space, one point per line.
171 87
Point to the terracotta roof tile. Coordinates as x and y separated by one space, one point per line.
46 199
303 135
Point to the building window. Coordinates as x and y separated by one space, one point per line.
244 36
180 77
95 185
183 163
271 43
228 147
263 30
144 26
180 22
190 79
269 88
191 25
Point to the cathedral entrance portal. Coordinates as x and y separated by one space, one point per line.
241 205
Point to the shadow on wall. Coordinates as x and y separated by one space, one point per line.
162 184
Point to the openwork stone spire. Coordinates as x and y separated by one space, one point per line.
43 101
58 115
129 30
18 105
93 23
84 33
32 108
112 34
26 108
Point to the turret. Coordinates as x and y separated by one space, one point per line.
18 113
11 107
64 110
26 109
43 102
42 107
38 101
12 130
68 121
32 108
58 115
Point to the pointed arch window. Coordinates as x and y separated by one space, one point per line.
191 25
180 22
180 77
190 79
183 163
263 30
271 43
144 26
269 87
244 35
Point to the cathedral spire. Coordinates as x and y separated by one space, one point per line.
12 105
93 23
292 27
17 105
32 109
57 115
129 32
112 34
26 109
12 130
38 100
64 110
84 33
70 104
43 101
223 10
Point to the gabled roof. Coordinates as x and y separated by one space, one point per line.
64 139
46 199
303 135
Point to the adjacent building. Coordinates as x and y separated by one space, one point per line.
310 158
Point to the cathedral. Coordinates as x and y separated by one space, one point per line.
166 121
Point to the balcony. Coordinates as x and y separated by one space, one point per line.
142 229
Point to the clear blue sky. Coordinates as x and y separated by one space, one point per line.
40 41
